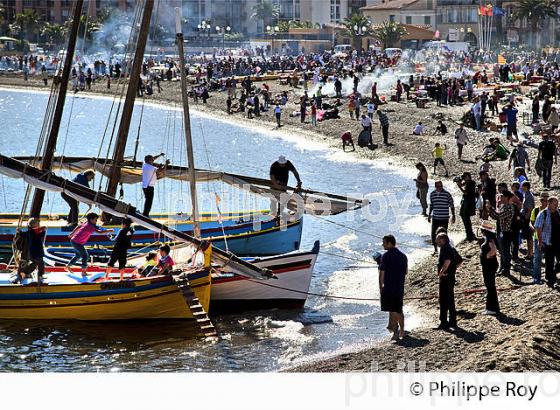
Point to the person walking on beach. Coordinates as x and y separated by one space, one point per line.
438 153
384 122
150 174
422 187
79 237
537 254
83 178
393 269
511 117
548 233
548 156
477 112
314 114
278 115
504 214
441 206
468 203
461 138
489 264
447 268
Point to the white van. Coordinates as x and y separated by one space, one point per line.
343 48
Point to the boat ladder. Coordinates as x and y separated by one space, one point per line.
198 312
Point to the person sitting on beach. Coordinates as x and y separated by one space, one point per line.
441 129
123 242
418 129
347 140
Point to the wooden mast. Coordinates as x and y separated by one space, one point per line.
50 145
128 107
187 121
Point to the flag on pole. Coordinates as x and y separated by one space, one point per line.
501 60
489 10
498 12
482 11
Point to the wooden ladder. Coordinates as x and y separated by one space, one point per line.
200 315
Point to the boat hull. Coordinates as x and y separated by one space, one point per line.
151 298
239 234
232 293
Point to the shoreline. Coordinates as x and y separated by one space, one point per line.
526 337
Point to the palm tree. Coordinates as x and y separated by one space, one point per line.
265 11
54 33
389 33
357 25
28 21
535 12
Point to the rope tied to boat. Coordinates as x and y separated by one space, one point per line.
425 297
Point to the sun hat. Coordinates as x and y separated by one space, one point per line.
282 160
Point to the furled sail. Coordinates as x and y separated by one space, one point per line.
306 200
48 181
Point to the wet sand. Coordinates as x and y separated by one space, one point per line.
527 334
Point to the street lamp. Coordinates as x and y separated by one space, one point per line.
360 31
272 31
223 31
204 27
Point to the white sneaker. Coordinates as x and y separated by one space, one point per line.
489 312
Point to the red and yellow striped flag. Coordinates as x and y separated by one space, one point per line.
501 59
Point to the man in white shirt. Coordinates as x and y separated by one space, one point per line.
150 174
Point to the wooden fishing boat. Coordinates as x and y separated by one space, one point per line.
237 232
230 291
148 298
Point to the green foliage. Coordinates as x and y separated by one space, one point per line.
55 34
265 11
389 33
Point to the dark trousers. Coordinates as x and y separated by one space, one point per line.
385 132
465 214
149 194
505 241
278 119
551 259
547 172
489 275
447 312
437 223
74 209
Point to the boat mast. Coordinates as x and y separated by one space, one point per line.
187 121
50 145
128 107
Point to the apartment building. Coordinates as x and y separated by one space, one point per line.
412 12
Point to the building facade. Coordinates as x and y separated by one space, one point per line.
412 12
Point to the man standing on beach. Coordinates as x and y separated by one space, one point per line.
393 268
548 233
278 114
447 267
441 203
462 138
384 121
547 153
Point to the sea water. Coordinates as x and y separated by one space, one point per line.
253 341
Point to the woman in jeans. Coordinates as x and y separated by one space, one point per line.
79 237
422 187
